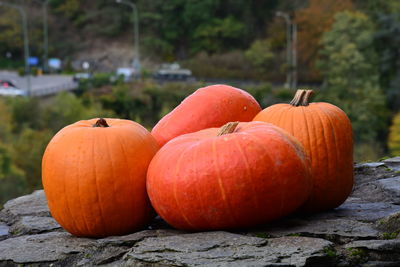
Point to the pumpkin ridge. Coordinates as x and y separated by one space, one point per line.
67 205
197 175
278 170
110 157
275 111
285 115
308 131
121 142
327 154
178 166
310 151
98 197
248 170
334 141
78 185
221 187
292 128
337 158
298 150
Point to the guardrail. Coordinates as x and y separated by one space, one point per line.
54 89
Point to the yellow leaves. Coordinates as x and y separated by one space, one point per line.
394 136
70 8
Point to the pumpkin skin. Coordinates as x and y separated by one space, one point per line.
94 178
207 107
201 181
326 134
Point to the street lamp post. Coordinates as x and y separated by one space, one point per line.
45 4
136 62
291 51
26 42
286 17
294 56
45 36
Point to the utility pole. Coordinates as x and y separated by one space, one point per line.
294 56
291 50
45 36
45 4
136 61
26 43
286 17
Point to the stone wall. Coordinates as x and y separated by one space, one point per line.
364 231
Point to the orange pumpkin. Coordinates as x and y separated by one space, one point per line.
326 134
231 178
94 177
210 106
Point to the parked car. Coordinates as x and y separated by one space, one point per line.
173 72
7 88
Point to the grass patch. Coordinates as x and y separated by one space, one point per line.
262 235
330 252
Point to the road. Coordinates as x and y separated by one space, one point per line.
41 85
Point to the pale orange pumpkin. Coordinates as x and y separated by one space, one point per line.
326 134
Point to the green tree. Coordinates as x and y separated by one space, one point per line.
28 149
218 35
5 121
260 54
12 178
351 75
385 14
11 33
67 109
126 102
387 42
394 136
26 112
375 8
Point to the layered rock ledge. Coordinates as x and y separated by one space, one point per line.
364 231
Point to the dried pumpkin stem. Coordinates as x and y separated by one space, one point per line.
101 123
302 98
307 97
228 128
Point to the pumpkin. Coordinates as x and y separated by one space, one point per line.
243 175
326 134
207 107
94 177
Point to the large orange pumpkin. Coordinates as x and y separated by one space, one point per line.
210 106
234 178
94 177
326 134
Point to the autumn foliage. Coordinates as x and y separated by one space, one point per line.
312 22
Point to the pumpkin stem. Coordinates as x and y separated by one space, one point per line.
302 98
228 128
101 123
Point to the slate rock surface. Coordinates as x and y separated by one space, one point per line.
364 231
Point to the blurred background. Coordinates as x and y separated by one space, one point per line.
66 60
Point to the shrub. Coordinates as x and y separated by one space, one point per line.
394 136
